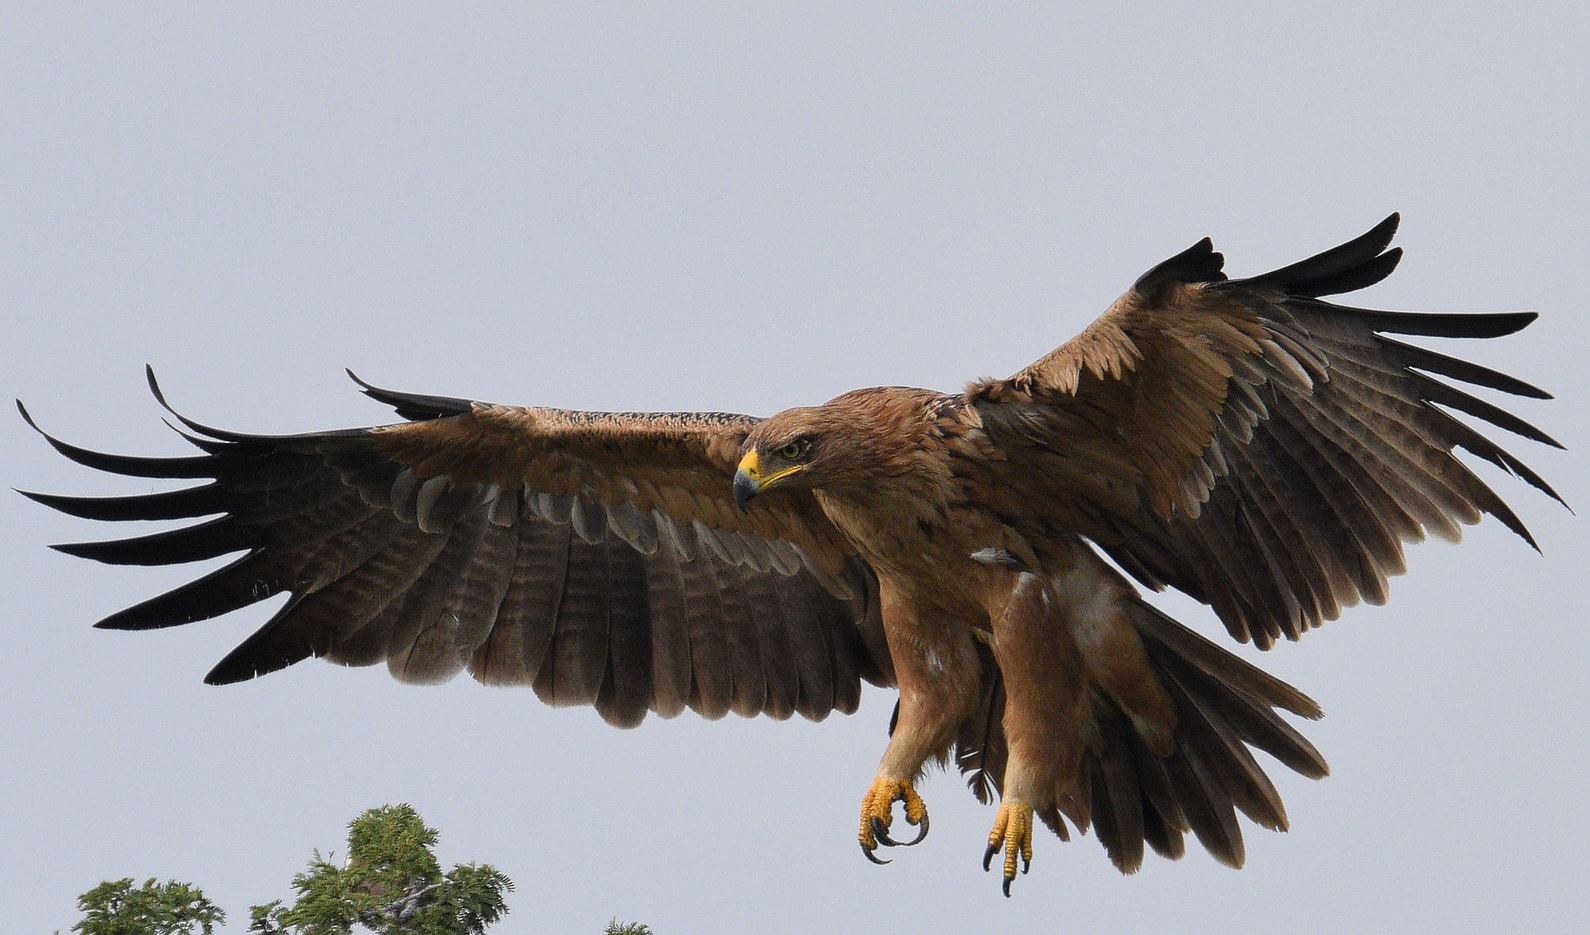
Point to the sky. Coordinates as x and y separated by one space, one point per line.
749 207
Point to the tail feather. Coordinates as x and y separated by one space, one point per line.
1164 822
1134 798
1252 720
1250 789
1179 642
1207 804
980 748
1223 706
1118 799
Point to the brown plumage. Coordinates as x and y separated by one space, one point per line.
1241 440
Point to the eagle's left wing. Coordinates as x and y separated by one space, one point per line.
1259 448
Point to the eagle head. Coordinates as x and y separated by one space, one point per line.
845 446
787 450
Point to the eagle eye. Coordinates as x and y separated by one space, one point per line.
795 450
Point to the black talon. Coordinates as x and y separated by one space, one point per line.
870 856
881 832
988 858
921 833
1006 887
1026 863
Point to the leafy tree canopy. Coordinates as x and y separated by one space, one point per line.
116 907
390 883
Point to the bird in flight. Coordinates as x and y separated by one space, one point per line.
1241 440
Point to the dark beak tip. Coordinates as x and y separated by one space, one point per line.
745 490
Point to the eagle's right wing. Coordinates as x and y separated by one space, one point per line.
597 557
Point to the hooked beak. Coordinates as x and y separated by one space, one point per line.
747 480
750 481
746 488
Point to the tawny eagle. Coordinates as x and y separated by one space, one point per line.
1243 441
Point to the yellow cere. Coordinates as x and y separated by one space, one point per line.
751 464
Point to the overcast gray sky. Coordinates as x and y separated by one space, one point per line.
732 207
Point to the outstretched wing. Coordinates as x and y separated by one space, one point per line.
597 557
1258 448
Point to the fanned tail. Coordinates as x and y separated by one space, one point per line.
1134 798
1223 707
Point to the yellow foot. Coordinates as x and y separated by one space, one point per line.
877 814
1012 832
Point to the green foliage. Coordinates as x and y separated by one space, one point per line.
115 907
391 883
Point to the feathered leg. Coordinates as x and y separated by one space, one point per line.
940 676
1046 716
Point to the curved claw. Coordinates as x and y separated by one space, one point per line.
921 832
1026 864
881 832
876 817
1012 834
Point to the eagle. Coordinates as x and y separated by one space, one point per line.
1243 441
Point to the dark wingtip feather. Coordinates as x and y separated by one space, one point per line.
203 444
1437 392
413 406
1351 280
159 394
124 465
246 581
177 504
1198 263
230 671
240 438
1377 238
1420 358
249 661
1446 324
1466 437
208 539
1385 230
1355 264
